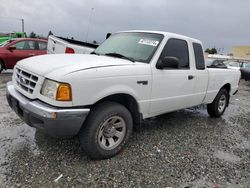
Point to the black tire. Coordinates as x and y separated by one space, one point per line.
99 129
1 66
219 105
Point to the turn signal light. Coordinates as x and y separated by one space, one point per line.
64 93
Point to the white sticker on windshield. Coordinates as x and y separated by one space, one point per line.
149 42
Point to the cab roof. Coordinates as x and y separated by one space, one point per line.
173 35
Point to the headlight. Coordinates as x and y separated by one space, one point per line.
57 91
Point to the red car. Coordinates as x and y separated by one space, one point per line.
14 50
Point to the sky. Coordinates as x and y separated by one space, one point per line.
217 23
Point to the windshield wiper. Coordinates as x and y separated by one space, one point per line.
120 56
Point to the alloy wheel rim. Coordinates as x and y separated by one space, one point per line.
222 103
112 133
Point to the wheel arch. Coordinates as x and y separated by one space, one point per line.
1 60
129 102
227 86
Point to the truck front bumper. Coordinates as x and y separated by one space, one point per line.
52 120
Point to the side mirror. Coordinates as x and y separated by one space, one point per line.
108 35
11 48
168 62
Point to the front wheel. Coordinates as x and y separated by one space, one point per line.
106 130
218 106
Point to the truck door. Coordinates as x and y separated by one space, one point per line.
201 74
173 87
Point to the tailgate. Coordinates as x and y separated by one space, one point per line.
56 45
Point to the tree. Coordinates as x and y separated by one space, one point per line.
207 50
32 35
211 51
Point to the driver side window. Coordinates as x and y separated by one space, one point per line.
20 45
177 48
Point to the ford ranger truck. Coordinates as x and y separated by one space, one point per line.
102 96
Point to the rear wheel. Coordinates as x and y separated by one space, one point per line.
218 106
106 130
1 66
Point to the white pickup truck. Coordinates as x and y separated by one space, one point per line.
101 96
60 45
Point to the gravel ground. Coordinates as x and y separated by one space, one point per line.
186 148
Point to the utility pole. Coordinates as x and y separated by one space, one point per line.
92 9
22 20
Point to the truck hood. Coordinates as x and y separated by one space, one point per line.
68 63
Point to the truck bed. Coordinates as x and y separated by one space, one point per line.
59 45
80 43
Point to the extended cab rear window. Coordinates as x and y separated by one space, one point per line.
199 56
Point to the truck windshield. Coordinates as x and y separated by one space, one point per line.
134 46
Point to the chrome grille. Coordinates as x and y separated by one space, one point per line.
25 80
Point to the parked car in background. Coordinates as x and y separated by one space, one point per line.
60 45
245 71
8 36
236 64
14 50
233 64
215 63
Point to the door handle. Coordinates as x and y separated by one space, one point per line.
32 54
190 77
142 82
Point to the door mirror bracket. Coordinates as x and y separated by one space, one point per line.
11 48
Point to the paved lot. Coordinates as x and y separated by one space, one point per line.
181 149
